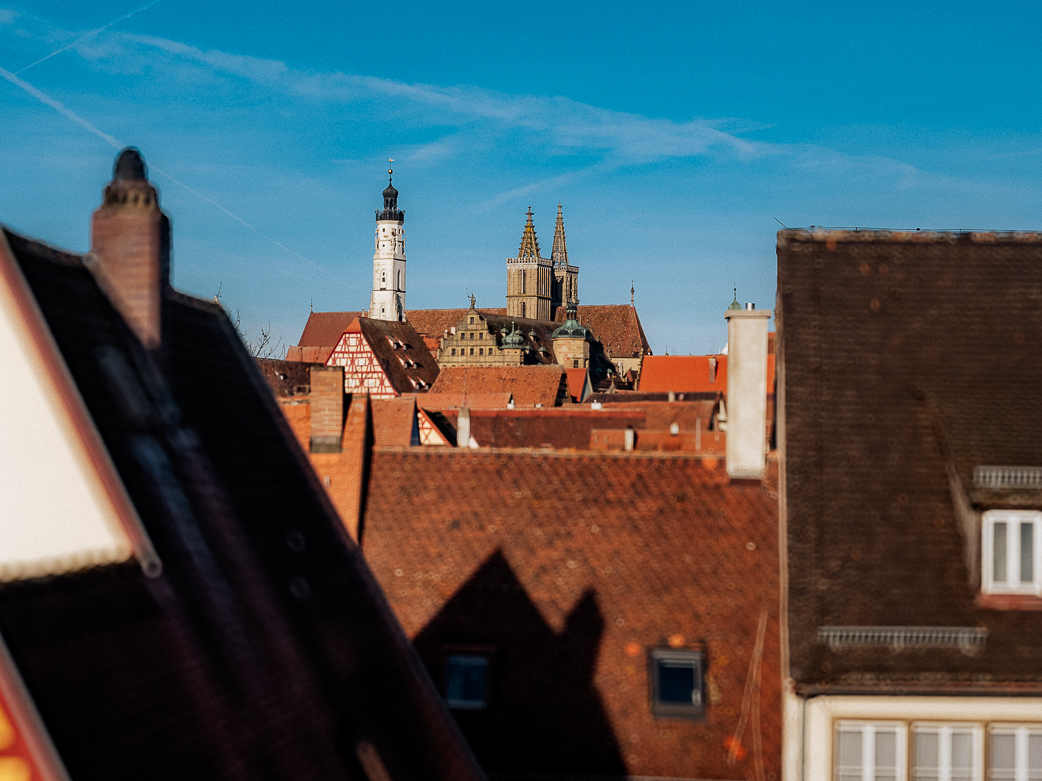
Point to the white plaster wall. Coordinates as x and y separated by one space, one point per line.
55 514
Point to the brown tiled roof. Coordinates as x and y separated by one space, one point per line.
569 568
288 379
560 428
616 326
529 385
184 674
434 322
401 353
904 355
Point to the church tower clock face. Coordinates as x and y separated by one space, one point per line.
388 299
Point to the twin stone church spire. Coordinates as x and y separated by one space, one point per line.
536 286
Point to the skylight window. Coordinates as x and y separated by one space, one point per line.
676 683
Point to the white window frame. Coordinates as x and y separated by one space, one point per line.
944 731
868 730
1020 734
1013 520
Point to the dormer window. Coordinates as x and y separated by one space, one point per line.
1011 554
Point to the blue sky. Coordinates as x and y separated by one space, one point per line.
675 134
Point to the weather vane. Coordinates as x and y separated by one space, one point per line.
390 170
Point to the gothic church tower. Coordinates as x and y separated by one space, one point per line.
566 277
388 301
529 279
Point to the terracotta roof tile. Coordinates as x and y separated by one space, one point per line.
394 422
571 567
691 374
437 400
560 428
529 385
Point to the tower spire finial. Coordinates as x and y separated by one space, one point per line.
559 254
529 242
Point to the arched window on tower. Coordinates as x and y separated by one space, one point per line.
398 284
523 307
383 280
523 281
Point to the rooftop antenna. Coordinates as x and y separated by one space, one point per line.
781 223
631 292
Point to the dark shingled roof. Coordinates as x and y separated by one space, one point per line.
905 360
401 353
570 567
265 649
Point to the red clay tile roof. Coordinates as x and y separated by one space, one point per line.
560 428
616 326
691 374
324 329
683 373
570 568
578 384
344 474
529 385
394 422
909 359
308 354
436 400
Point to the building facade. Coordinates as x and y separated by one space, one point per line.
910 432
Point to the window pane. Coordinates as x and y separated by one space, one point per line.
999 553
962 756
926 747
886 752
1027 552
466 684
849 756
1035 755
1002 761
676 682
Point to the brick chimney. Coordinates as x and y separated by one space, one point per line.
130 244
746 391
327 408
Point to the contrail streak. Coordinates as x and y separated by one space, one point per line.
117 144
82 38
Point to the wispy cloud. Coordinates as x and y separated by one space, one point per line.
554 125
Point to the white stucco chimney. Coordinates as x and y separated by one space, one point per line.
746 391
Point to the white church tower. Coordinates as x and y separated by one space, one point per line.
388 301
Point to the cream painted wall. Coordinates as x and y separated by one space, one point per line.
55 514
809 725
